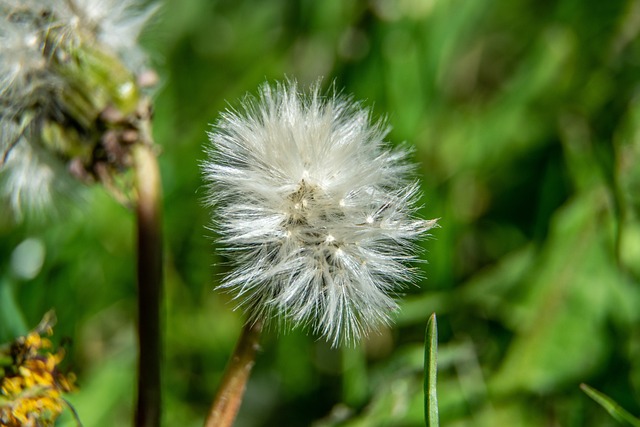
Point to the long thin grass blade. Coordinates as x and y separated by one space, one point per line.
616 411
430 372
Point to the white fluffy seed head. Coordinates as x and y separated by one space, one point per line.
315 209
116 24
31 175
32 31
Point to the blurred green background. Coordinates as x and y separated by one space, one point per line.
525 115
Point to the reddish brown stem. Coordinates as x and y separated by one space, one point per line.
149 219
227 402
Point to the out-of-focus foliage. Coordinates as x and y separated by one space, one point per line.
525 116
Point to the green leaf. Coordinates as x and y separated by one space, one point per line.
616 411
430 372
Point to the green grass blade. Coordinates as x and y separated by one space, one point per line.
430 372
616 411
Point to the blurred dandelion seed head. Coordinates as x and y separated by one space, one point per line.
316 210
64 64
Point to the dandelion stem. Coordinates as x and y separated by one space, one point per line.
229 397
149 285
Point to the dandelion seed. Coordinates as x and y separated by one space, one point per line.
316 209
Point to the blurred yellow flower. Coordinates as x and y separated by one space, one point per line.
31 385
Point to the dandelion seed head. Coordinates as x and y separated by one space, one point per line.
316 209
55 87
114 23
31 175
22 67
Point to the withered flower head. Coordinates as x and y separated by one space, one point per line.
71 76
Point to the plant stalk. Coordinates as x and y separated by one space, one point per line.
227 402
149 221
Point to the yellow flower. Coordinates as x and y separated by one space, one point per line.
31 386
